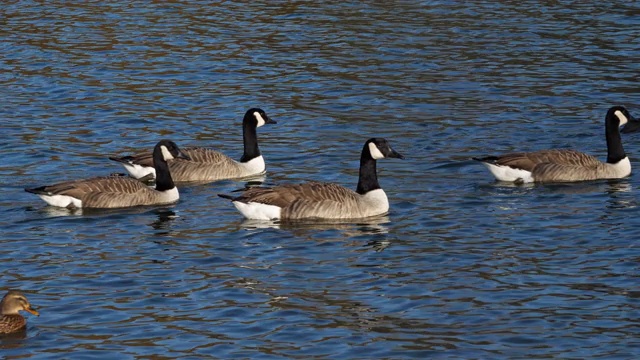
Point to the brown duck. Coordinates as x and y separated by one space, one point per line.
11 320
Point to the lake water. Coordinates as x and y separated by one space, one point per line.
461 267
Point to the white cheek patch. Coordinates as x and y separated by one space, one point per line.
375 152
165 153
620 115
259 118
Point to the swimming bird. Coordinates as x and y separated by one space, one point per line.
564 165
322 200
10 306
207 164
117 191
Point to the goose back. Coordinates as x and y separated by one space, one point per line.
318 200
211 165
557 172
205 165
104 192
528 161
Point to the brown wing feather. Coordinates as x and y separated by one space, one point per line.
143 159
285 195
106 192
549 172
528 161
205 164
11 323
205 155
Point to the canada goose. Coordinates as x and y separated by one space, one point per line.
322 200
563 165
12 303
117 191
207 164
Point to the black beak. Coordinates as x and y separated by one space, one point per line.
269 121
395 154
182 155
633 125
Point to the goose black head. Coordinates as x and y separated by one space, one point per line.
380 148
257 117
170 150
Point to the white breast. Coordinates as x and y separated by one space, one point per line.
622 168
253 166
169 196
375 202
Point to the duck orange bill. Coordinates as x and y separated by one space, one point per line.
33 311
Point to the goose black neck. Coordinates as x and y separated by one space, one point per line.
250 138
368 179
163 176
615 152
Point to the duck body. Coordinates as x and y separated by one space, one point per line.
10 319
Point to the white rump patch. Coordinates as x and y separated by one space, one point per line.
375 152
61 201
139 171
507 173
623 119
165 153
258 211
259 118
253 166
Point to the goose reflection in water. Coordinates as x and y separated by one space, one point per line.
164 220
360 227
372 225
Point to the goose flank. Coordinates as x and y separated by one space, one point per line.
207 164
117 191
322 200
564 165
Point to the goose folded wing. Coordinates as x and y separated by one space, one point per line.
527 161
549 172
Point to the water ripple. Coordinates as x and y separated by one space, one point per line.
461 267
